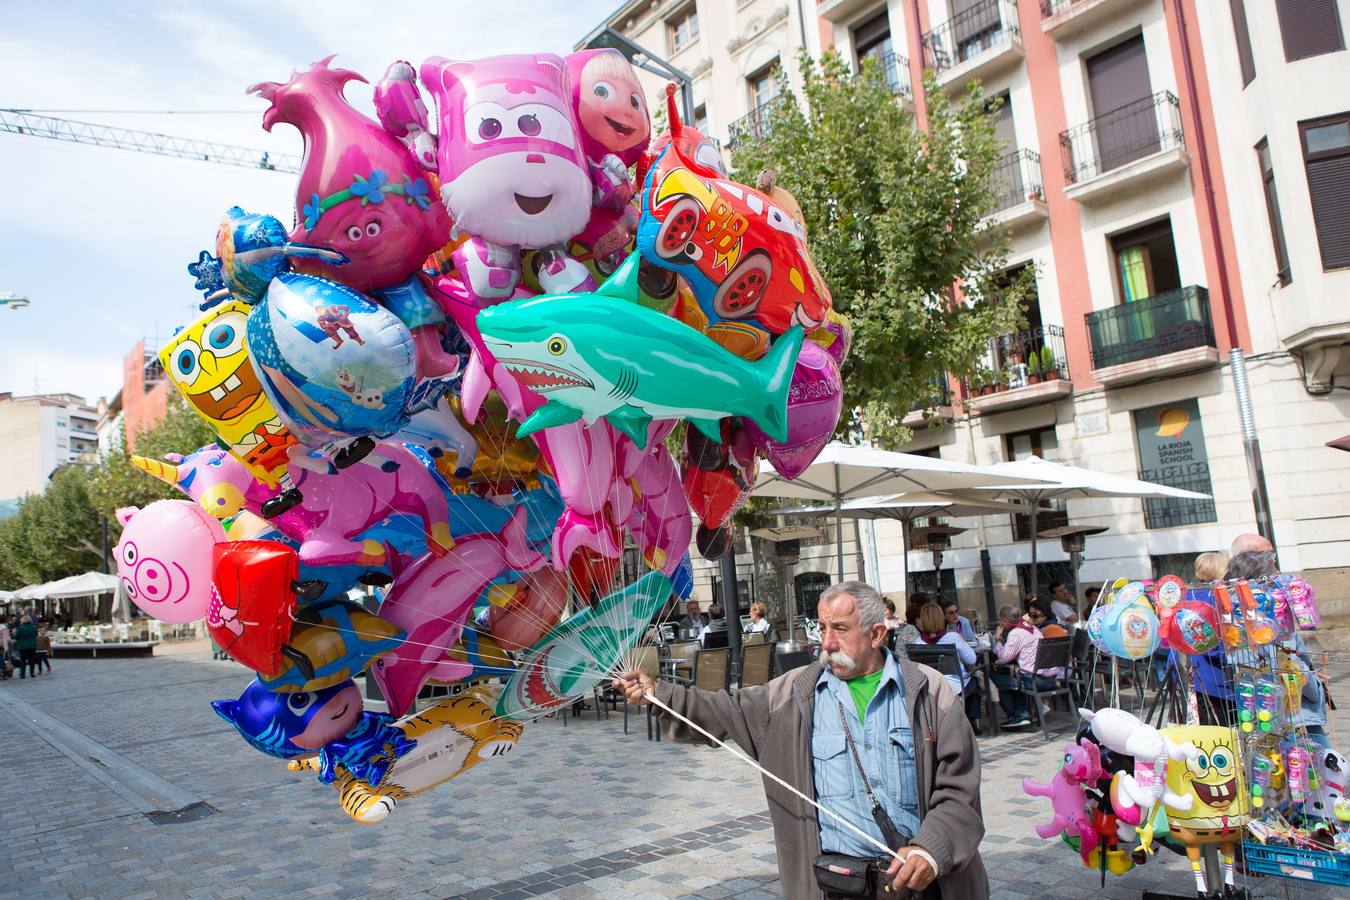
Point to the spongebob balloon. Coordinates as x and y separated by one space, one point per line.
209 364
1213 783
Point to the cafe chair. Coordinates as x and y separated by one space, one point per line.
1051 653
792 659
684 672
646 660
756 664
711 669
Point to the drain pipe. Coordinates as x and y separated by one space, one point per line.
1251 445
1256 473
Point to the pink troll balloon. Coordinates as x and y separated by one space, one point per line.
362 193
164 558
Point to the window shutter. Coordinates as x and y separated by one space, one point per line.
1329 185
1309 28
1244 40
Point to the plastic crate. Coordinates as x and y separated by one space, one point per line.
1295 862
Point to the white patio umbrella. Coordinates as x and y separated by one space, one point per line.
905 508
1056 481
87 585
842 473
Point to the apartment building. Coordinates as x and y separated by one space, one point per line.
40 433
1177 177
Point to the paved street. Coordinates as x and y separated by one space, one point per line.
580 810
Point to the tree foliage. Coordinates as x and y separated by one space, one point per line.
59 532
893 216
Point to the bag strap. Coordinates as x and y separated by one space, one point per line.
894 840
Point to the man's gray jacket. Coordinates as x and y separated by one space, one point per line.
772 724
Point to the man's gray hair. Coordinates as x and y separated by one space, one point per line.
871 611
1008 614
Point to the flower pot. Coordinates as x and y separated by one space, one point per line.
1033 378
986 390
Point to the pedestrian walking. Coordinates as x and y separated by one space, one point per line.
25 639
6 645
873 737
44 648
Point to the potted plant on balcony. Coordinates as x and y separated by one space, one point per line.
1034 367
1049 368
985 379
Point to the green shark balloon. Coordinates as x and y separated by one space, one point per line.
602 354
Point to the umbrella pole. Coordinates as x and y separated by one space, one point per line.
1035 573
838 524
904 556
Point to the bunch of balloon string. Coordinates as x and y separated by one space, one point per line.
444 401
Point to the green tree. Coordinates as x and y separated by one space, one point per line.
893 216
115 482
54 534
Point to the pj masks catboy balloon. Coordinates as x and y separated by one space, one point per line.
334 364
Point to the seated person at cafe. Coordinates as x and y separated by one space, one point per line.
933 633
758 623
1061 604
1039 615
1090 597
693 623
1015 644
957 622
714 634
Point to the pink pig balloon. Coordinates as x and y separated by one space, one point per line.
164 558
815 400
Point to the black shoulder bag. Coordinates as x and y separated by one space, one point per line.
851 876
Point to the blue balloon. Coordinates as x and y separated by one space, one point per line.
333 363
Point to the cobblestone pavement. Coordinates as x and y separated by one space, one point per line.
580 810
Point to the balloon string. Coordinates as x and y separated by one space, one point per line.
887 851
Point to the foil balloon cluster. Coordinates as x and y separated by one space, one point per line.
441 398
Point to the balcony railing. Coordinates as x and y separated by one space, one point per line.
1170 513
967 35
1111 140
1055 7
1017 179
896 69
1154 326
754 125
1025 358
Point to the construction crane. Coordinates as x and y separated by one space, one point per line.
17 121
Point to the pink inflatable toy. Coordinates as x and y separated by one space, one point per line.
164 558
362 193
337 507
1082 765
430 601
815 399
659 520
512 171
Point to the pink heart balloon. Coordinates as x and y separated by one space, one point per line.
815 400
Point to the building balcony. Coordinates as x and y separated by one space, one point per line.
1163 335
842 11
935 409
1123 149
896 69
980 41
1064 18
754 126
1032 368
1019 195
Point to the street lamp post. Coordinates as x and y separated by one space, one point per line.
606 37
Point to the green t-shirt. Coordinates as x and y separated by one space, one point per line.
864 688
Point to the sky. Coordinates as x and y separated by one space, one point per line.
99 239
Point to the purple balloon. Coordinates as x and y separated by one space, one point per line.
815 399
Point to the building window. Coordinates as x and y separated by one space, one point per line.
1238 10
61 423
1309 28
1273 213
1146 261
1124 114
1171 443
764 86
1181 565
939 586
684 29
1042 442
872 40
1326 158
807 588
701 118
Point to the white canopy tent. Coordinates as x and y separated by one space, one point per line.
842 473
86 585
1056 481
